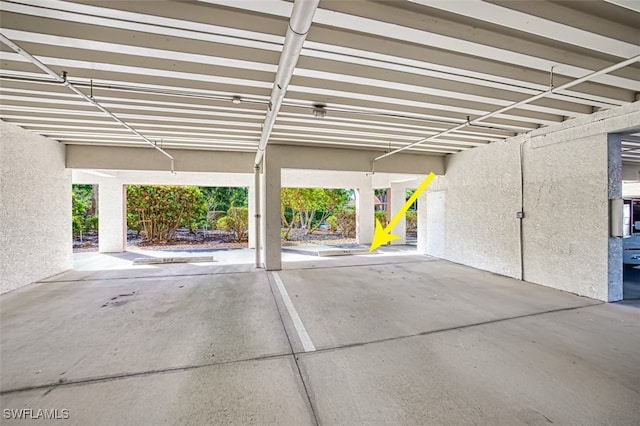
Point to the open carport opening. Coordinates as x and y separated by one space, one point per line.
384 212
317 215
171 216
187 216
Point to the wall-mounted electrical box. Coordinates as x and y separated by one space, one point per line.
616 218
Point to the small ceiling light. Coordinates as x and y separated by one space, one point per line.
236 100
319 111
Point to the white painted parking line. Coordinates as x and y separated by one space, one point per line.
307 344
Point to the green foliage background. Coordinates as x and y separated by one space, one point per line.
160 210
307 208
237 222
83 218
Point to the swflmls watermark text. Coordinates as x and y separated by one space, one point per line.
35 414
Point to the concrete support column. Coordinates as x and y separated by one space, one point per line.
112 221
614 166
422 223
252 213
270 215
398 198
365 218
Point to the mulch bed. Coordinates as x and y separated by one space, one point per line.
210 240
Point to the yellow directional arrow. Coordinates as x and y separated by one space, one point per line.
384 235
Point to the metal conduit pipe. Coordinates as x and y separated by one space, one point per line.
256 191
541 95
64 81
299 25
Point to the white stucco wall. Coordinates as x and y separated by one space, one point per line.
35 208
568 181
566 227
471 211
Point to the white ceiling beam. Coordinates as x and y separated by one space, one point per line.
405 34
122 49
233 63
509 18
128 69
95 15
628 4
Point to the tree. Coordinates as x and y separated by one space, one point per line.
295 200
161 210
305 203
83 218
223 198
327 201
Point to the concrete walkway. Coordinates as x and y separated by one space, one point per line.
393 338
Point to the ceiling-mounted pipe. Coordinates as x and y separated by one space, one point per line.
63 80
299 25
540 95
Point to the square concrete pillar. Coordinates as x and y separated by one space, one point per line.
422 223
614 167
252 220
270 215
365 218
398 198
112 221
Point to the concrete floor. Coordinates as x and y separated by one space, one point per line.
393 338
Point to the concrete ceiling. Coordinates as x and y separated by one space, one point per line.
388 73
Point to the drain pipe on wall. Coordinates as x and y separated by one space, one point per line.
256 192
64 81
299 25
520 214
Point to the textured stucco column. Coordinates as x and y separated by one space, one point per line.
398 198
112 221
422 223
364 215
614 166
35 208
252 213
270 215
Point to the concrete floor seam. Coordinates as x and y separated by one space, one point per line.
295 356
443 330
315 267
89 278
122 376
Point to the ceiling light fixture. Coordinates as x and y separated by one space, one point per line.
236 100
319 111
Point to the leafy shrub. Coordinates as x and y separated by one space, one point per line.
91 224
412 221
346 221
381 215
332 223
237 222
213 217
83 219
161 210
